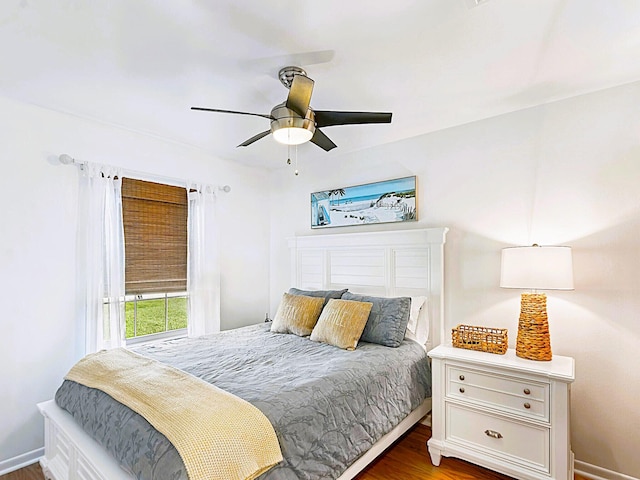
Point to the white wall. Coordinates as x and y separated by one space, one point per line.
40 338
566 173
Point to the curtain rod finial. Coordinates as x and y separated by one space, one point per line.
66 159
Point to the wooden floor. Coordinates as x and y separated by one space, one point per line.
32 472
408 459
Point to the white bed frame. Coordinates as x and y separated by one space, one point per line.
393 263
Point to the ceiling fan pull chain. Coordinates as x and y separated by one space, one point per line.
288 154
296 172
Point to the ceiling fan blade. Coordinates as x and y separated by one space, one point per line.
263 115
255 138
300 94
322 141
326 118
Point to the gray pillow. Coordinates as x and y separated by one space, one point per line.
387 321
327 294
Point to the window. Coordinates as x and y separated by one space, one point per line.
155 237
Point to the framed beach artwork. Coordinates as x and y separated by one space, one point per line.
380 202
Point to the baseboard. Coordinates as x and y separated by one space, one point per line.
598 473
16 463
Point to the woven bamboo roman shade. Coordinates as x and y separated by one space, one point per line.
155 237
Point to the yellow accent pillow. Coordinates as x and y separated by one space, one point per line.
297 314
341 323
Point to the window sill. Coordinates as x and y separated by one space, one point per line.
156 337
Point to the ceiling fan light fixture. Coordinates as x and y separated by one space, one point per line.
289 128
292 135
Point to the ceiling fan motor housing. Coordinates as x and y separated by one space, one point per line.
290 128
286 75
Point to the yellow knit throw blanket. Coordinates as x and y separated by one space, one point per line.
218 435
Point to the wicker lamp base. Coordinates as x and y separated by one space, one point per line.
533 340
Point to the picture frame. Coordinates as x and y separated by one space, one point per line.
386 201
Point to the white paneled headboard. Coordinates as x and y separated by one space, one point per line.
387 264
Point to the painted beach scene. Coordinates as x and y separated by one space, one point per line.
380 202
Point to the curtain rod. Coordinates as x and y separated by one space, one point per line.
66 159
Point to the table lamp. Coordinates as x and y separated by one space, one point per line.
535 268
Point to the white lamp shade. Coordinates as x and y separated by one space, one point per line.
537 268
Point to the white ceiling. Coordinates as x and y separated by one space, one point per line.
141 64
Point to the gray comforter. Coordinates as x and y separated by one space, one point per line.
327 405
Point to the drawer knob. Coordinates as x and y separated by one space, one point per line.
461 389
461 377
527 391
527 405
493 434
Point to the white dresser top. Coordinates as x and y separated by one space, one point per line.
558 368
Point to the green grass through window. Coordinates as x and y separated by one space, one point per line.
151 316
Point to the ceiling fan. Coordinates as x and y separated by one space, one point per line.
294 122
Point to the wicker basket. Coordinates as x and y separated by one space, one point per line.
484 339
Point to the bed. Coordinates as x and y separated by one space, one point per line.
366 411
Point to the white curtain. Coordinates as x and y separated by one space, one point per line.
101 257
203 270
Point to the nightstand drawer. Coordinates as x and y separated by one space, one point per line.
516 442
525 398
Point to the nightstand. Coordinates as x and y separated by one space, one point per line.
502 412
